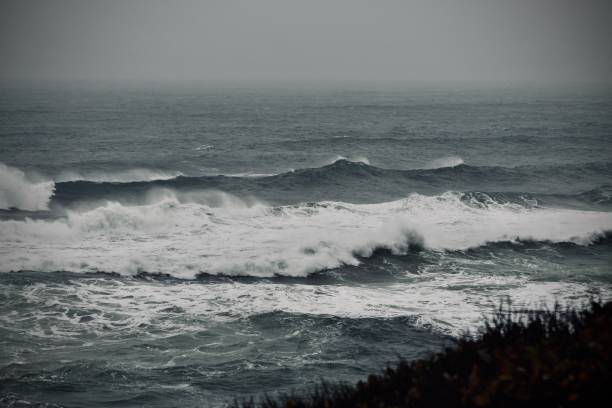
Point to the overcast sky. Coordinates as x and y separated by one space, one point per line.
307 40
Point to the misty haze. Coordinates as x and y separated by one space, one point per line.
203 203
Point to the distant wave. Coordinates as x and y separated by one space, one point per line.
352 159
340 180
125 176
217 233
19 190
356 181
449 161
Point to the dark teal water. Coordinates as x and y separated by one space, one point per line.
188 244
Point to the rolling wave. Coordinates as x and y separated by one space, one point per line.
32 192
187 234
125 176
359 182
341 180
450 161
356 159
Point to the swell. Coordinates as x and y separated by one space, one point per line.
406 138
123 176
359 182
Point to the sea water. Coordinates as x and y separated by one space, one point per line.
186 244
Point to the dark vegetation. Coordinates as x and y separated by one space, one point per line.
552 358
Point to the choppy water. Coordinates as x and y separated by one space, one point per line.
185 244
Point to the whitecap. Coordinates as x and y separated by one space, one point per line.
23 191
217 233
353 159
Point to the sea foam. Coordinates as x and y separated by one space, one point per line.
23 191
217 233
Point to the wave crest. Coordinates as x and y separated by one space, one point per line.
217 233
442 162
125 176
18 190
352 159
345 180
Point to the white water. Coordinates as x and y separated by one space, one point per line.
183 307
32 192
23 191
216 233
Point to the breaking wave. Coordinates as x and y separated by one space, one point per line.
352 159
341 180
217 233
450 161
357 181
22 191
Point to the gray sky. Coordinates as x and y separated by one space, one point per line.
306 40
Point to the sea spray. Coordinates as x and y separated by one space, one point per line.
20 190
212 232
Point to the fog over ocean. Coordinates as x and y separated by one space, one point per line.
197 242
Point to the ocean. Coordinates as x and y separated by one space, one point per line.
186 244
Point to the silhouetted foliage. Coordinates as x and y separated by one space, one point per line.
551 358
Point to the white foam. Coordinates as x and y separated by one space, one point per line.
20 190
449 161
217 233
138 305
354 159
